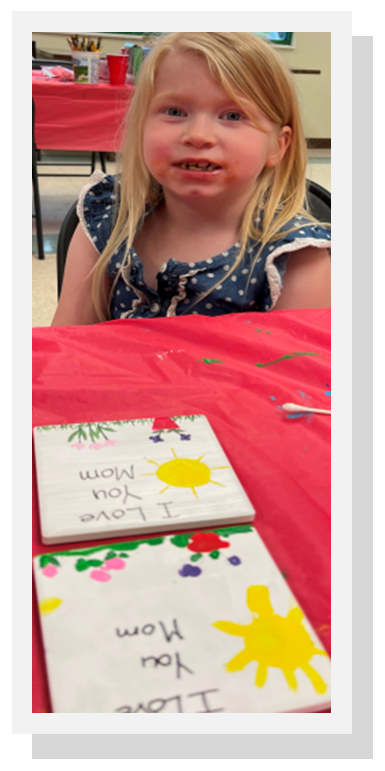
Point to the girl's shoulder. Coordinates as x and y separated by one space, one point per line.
96 207
300 232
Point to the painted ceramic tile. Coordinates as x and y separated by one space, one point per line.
97 480
195 622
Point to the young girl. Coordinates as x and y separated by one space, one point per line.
207 213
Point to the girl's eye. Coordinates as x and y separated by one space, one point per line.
174 112
232 115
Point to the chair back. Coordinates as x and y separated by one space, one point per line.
36 195
67 230
319 200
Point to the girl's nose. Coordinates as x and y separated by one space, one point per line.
199 132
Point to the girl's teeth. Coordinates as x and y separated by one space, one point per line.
198 166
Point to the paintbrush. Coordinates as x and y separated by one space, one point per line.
300 408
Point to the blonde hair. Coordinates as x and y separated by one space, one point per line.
246 67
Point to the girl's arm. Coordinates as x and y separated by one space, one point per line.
75 303
307 281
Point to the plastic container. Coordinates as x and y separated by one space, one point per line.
86 67
117 65
104 73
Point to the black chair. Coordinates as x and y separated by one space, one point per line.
320 201
319 204
67 230
36 195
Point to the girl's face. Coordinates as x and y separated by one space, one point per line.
198 143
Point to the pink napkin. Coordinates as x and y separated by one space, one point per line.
62 73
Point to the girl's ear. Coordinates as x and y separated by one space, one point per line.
281 143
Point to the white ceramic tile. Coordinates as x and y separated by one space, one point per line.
98 480
192 623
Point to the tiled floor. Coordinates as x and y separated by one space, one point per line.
57 195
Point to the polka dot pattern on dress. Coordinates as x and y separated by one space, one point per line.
211 291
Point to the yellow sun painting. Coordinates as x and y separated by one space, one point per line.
273 641
184 472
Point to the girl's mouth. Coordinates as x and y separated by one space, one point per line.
198 166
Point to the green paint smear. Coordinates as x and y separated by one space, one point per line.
291 356
180 540
211 361
85 564
131 545
128 546
111 555
183 539
47 559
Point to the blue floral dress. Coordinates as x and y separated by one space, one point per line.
179 283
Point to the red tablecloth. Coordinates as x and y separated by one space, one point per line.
237 370
79 116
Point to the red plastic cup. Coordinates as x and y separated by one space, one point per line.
117 65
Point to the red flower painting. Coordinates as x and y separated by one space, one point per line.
206 542
164 424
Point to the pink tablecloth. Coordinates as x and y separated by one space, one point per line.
237 370
79 116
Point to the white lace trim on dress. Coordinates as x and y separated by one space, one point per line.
273 277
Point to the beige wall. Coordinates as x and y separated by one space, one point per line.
312 52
